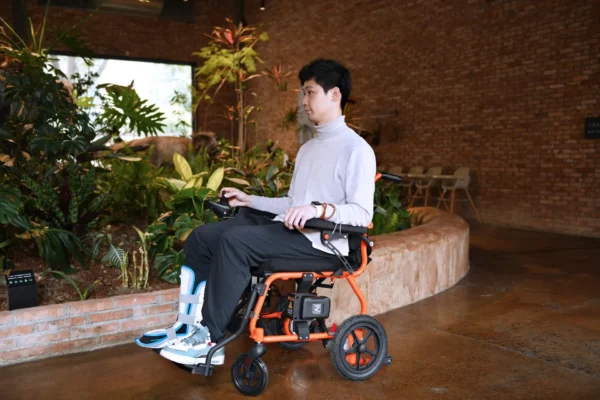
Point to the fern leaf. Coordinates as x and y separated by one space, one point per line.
116 257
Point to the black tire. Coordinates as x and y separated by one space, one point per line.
259 376
372 348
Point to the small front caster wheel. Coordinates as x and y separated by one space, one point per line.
250 378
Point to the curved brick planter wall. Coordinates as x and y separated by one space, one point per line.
40 332
407 266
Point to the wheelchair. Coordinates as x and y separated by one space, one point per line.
358 346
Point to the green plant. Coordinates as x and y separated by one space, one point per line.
290 118
261 172
139 278
130 189
168 265
277 74
56 246
36 36
181 99
38 117
82 295
389 214
123 107
230 57
66 199
185 202
43 133
115 256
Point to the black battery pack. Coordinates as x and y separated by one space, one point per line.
315 307
306 306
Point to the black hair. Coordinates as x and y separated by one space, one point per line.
328 74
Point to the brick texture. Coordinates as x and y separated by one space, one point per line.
502 87
45 331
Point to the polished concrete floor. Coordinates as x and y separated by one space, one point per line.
524 324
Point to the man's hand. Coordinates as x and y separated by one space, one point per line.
237 198
296 217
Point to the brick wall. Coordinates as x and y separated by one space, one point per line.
40 332
501 86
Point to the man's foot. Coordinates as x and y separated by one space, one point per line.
193 350
159 338
191 298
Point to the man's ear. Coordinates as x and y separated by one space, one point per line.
336 94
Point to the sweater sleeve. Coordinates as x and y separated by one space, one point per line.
277 205
359 187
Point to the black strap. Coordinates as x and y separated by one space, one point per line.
327 242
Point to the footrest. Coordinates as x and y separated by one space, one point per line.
202 369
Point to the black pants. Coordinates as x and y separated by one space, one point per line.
222 253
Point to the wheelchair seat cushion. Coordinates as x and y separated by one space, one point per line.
312 264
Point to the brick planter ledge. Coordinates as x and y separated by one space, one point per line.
40 332
407 266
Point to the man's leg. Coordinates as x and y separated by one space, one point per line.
198 250
238 249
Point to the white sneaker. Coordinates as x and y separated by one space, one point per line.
193 350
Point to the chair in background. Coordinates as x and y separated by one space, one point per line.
424 184
451 183
408 180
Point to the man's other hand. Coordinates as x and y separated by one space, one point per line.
296 217
237 198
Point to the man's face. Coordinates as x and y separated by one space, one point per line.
319 106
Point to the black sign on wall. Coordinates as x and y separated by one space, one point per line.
592 128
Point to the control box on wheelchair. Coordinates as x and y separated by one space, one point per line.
358 346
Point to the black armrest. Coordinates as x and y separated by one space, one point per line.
391 177
254 211
222 209
322 225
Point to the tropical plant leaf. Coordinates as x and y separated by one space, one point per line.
88 290
182 167
129 158
116 257
56 247
10 203
70 280
168 265
174 184
214 182
239 181
125 108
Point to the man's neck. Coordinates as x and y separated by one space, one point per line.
333 116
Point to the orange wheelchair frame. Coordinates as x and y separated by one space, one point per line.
348 343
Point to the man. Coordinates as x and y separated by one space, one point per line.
333 180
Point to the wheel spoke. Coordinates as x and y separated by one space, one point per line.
364 341
371 353
355 338
358 354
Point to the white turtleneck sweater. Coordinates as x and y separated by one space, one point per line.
336 167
